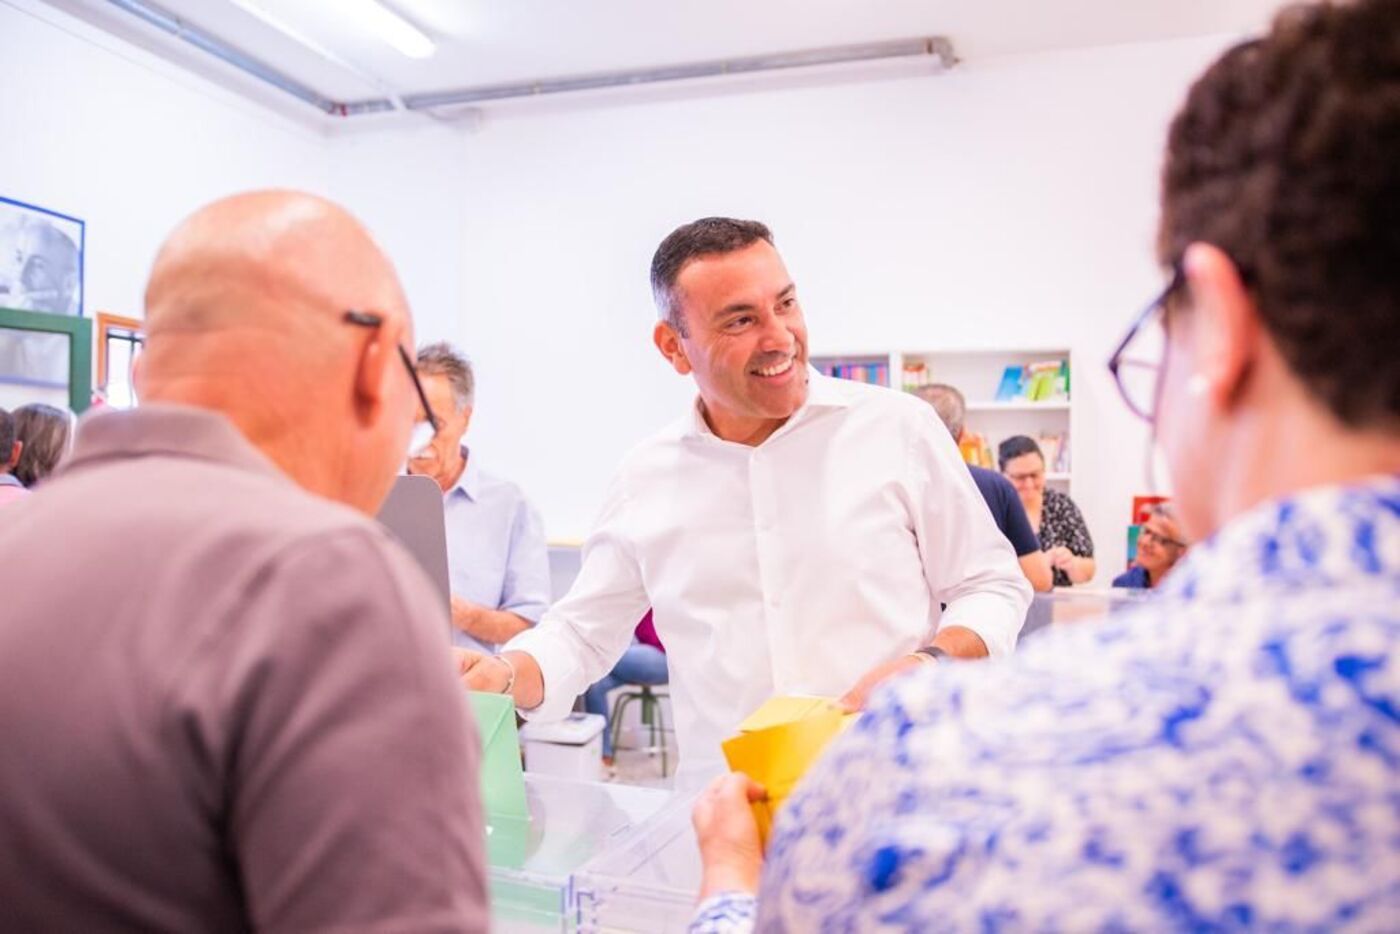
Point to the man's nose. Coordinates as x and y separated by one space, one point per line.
776 333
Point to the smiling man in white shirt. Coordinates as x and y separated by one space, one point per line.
794 534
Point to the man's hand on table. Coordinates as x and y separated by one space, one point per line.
854 699
481 672
955 641
730 851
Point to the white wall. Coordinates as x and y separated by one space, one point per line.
101 130
1010 202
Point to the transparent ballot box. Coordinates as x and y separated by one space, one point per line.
647 880
533 863
1070 605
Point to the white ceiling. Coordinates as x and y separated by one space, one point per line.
485 42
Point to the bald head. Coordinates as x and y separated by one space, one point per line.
245 314
274 260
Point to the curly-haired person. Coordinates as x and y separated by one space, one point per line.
1227 756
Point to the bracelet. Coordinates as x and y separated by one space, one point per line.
510 666
929 653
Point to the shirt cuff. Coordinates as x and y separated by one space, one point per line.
558 668
725 913
992 617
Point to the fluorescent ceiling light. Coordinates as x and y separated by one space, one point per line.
256 9
376 19
369 17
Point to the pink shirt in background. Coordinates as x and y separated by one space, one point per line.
646 633
11 489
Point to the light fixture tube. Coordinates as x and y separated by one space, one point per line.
375 19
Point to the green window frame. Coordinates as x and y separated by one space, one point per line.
79 331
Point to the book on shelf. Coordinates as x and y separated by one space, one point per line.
976 451
871 372
1055 447
915 374
1044 381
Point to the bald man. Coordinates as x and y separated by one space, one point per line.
226 699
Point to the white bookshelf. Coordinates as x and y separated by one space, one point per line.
977 374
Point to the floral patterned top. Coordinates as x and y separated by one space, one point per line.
1224 756
1061 523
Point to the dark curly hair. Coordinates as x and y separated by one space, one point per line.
1286 155
709 236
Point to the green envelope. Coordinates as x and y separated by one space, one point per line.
502 778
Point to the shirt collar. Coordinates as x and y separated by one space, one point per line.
1321 537
470 480
823 392
9 479
164 429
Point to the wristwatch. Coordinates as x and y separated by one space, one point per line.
932 652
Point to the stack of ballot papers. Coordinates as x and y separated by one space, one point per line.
778 742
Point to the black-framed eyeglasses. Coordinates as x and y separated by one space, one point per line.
1136 364
369 319
1147 534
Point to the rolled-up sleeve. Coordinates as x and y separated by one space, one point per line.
581 637
968 564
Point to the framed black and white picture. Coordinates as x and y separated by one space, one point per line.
41 274
41 259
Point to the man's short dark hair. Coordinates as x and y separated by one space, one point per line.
1014 447
1286 156
7 438
442 359
709 236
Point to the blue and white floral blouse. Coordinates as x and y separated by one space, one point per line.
1226 756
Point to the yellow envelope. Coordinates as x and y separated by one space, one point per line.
778 742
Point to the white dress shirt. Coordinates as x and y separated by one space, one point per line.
792 567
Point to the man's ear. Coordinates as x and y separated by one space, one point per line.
15 450
378 354
1226 325
669 343
466 417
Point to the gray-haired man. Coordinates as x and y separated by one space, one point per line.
497 559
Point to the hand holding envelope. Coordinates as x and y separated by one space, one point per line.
778 743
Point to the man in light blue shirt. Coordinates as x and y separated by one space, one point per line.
496 553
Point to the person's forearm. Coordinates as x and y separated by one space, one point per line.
961 642
496 626
1038 571
1081 570
529 680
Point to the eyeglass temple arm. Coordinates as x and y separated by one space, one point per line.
418 387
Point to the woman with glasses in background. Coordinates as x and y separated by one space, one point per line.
1064 536
1225 756
1159 548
